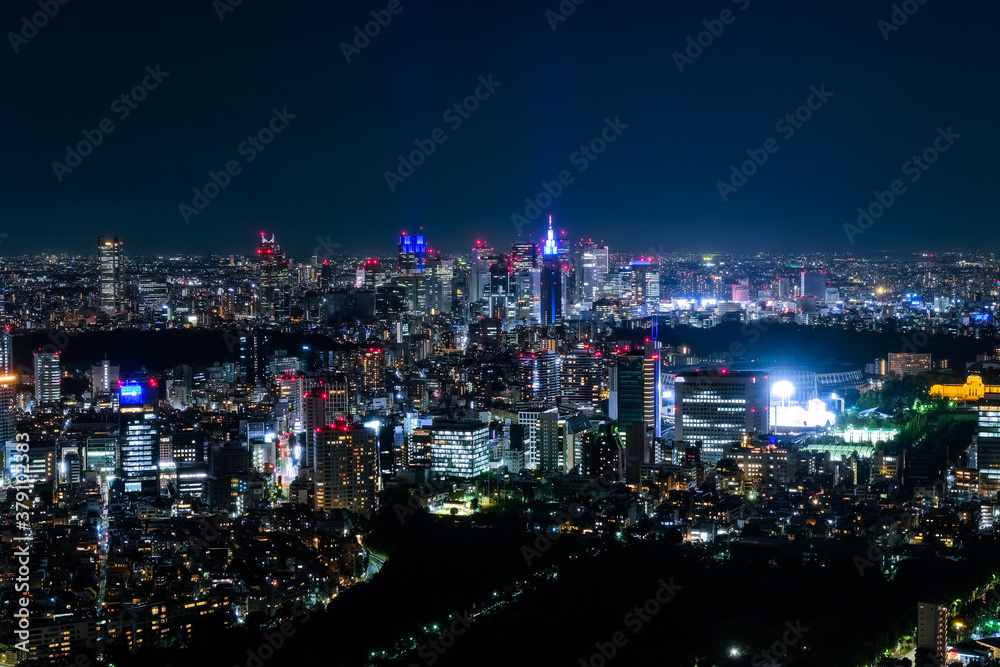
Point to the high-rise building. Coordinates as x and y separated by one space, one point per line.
272 268
412 253
459 449
8 386
651 397
104 384
110 259
253 357
718 409
48 379
905 363
346 472
542 375
813 284
582 375
626 395
932 633
139 435
986 445
551 280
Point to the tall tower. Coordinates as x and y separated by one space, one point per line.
272 269
110 257
412 253
551 280
139 435
48 376
8 384
346 474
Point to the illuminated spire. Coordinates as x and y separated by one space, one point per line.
550 247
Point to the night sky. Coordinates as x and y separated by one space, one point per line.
655 186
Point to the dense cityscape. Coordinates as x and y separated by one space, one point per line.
382 333
548 390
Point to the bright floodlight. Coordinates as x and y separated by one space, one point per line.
783 389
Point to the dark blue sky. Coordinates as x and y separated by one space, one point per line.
656 185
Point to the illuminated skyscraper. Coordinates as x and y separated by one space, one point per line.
8 384
551 280
48 378
104 384
718 408
139 435
346 468
460 449
253 357
272 269
412 253
813 284
110 257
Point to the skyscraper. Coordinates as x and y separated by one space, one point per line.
459 449
139 435
719 408
551 280
48 378
272 269
110 258
626 398
104 384
346 468
412 253
253 357
8 384
813 284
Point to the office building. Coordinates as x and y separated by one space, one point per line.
986 445
110 260
717 409
812 284
139 435
8 386
346 473
459 449
104 384
253 357
272 288
412 253
904 363
626 392
48 379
